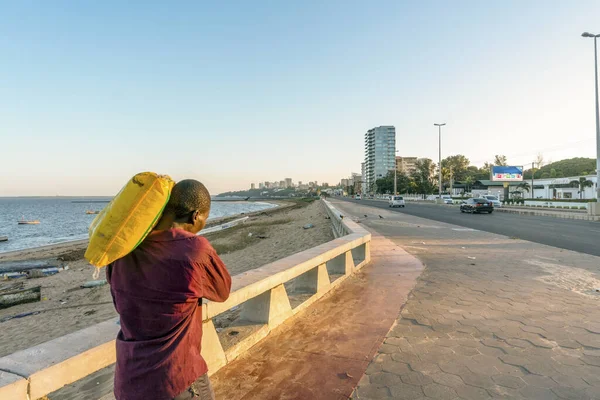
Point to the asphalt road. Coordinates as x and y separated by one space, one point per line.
576 235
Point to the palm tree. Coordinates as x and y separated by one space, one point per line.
524 185
582 183
468 182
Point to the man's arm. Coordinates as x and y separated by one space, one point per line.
215 281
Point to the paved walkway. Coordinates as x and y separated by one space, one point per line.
491 317
324 351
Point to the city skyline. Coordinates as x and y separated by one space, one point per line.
94 93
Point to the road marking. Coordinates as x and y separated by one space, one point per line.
464 229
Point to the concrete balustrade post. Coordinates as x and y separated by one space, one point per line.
212 351
13 386
315 280
342 264
359 253
271 307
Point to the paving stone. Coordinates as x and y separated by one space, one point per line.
471 392
405 357
466 351
540 368
403 391
395 367
518 343
509 381
373 368
395 341
446 379
388 349
591 360
439 392
481 381
425 367
571 381
568 360
537 393
416 378
569 393
503 392
373 391
384 378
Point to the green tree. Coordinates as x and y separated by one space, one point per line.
524 186
581 184
500 160
424 176
458 164
469 180
564 168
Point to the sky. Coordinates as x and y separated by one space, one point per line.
239 92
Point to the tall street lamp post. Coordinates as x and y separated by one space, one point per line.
395 171
440 158
591 35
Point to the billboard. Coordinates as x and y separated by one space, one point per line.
507 174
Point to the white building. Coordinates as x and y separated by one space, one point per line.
363 187
549 188
380 153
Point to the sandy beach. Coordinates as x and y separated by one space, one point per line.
66 307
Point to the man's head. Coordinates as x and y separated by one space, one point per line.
188 207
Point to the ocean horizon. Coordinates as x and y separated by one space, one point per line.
62 220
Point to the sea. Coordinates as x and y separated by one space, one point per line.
64 219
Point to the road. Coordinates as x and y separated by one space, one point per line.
576 235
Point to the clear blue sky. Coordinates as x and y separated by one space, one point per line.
93 92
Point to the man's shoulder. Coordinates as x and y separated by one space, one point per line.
200 247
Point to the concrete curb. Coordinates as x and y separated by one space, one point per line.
583 217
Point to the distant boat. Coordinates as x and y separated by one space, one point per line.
90 212
3 238
24 221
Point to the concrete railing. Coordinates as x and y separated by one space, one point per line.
261 299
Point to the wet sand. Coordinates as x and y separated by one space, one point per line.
65 307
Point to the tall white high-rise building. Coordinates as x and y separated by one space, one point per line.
363 185
380 154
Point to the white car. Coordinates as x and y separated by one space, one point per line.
396 201
447 199
357 197
497 203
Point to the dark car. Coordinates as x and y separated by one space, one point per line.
477 206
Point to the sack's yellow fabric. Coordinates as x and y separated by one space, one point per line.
124 223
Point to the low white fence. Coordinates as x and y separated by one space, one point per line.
264 298
557 204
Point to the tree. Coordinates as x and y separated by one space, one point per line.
469 180
500 160
424 175
458 164
539 160
524 186
582 183
569 167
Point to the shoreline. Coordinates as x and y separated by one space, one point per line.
66 306
68 245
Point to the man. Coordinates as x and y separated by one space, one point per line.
157 290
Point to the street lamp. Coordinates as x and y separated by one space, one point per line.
440 164
590 35
395 171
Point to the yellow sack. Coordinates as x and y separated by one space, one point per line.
126 221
